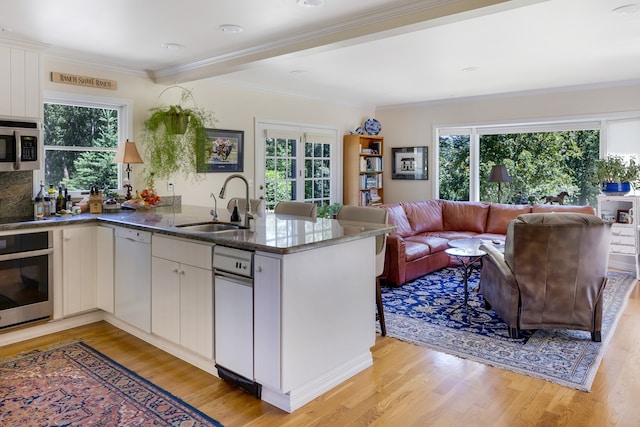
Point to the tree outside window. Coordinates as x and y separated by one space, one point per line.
80 145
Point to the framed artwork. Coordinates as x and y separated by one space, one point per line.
224 151
410 163
622 216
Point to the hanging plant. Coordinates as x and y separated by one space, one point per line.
175 137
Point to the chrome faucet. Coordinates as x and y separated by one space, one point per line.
214 211
247 205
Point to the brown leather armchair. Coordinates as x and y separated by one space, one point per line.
552 273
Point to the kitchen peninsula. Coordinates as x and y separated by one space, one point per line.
313 292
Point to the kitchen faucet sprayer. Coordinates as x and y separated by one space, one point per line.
247 205
214 211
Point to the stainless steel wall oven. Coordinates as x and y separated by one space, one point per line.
25 277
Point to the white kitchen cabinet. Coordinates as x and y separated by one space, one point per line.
132 289
78 269
21 85
625 239
182 293
105 247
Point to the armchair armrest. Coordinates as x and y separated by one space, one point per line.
497 258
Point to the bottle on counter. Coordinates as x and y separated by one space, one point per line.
38 205
47 204
60 203
235 215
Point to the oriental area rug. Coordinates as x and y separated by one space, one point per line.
420 312
75 385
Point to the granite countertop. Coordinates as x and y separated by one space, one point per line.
273 233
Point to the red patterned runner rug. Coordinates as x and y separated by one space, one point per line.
75 385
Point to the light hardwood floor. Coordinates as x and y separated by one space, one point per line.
407 386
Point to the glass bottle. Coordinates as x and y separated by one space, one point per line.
235 216
60 200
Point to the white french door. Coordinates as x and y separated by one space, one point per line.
296 162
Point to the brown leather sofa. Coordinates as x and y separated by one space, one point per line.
551 275
424 229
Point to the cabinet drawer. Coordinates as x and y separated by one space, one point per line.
182 251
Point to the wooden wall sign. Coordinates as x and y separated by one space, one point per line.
72 79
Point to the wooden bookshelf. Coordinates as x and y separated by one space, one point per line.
363 170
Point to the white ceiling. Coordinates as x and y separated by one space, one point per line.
367 52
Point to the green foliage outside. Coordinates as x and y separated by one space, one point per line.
540 164
76 129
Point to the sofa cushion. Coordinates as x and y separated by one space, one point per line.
562 208
398 217
464 216
425 215
420 246
500 215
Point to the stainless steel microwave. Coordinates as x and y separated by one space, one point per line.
20 145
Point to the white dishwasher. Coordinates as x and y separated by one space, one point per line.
133 277
233 317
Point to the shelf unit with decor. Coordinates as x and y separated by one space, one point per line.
622 212
363 160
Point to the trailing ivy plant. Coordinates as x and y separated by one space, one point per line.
175 138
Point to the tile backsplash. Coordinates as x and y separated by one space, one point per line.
16 194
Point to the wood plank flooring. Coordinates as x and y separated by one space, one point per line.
407 385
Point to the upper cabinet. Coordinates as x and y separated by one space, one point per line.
21 82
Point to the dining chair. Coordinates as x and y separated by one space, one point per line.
371 215
296 208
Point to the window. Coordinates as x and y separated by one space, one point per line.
81 137
541 161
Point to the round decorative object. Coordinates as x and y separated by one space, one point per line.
372 126
616 188
359 131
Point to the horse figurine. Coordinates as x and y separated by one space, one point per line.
559 199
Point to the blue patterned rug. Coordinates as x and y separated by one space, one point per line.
421 312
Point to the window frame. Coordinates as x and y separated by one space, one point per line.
125 120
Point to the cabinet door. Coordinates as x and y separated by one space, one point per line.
104 268
196 307
20 91
267 312
165 299
78 269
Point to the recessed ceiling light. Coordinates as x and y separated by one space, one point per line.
5 29
298 72
172 46
230 28
310 3
627 9
471 69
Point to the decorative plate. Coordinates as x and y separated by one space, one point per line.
359 131
372 126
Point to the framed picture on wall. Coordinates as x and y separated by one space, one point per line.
224 151
409 163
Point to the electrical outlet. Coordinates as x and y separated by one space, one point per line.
170 187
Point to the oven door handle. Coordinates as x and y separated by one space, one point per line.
23 255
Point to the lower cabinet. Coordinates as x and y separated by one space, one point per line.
182 293
78 269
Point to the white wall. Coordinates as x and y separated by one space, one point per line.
234 108
413 125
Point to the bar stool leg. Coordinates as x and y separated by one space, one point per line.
380 314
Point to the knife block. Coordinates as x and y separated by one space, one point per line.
95 203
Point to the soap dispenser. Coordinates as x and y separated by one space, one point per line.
235 216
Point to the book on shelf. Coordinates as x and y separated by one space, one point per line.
374 164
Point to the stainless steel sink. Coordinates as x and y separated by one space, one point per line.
210 227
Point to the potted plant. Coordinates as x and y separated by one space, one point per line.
175 137
616 175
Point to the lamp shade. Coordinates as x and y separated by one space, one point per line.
127 153
499 174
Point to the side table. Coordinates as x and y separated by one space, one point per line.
466 256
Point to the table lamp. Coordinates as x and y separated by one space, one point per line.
128 153
499 174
